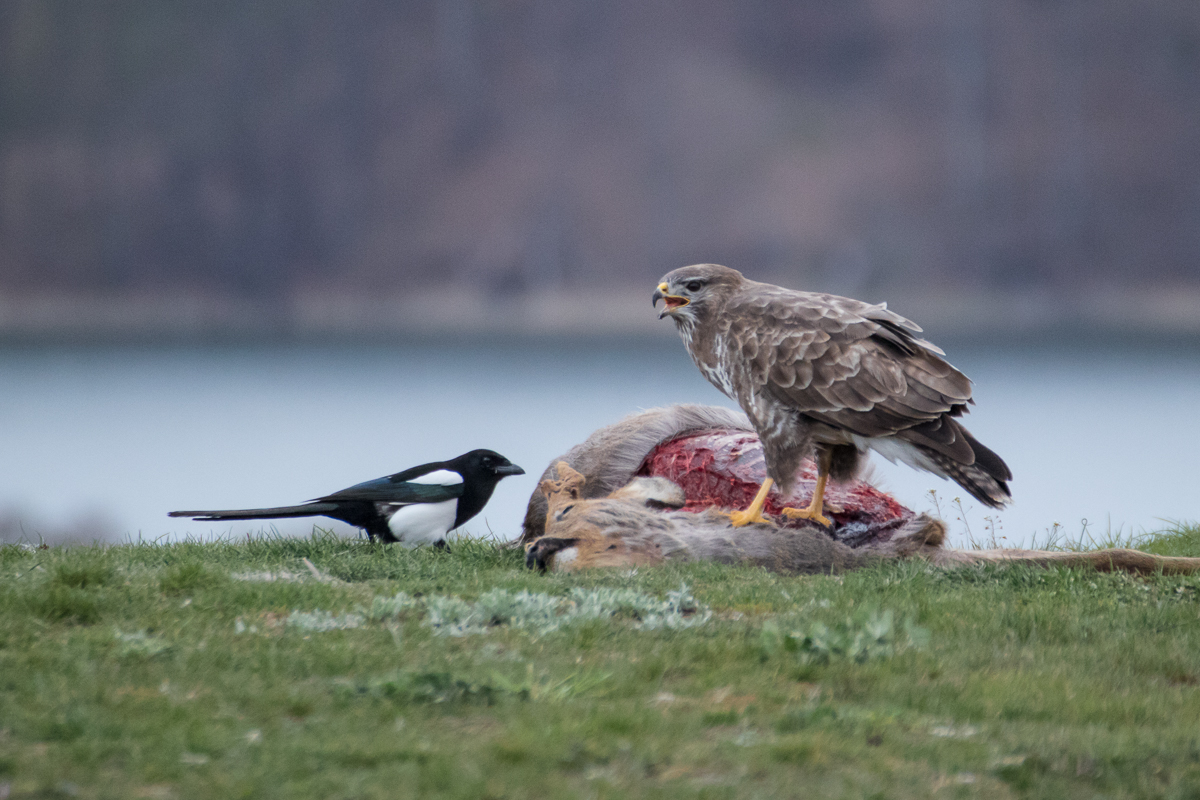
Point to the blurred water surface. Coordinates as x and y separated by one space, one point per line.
108 440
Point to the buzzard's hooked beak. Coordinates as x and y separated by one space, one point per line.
670 301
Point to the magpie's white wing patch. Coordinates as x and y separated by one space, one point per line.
439 477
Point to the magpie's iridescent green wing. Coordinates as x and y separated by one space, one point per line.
388 490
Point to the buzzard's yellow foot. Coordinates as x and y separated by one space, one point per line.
813 512
807 513
753 514
832 508
747 517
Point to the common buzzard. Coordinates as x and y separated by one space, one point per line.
829 376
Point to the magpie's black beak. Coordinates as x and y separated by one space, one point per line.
509 469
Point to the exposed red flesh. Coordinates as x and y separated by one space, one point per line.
724 468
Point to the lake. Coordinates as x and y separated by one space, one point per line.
107 440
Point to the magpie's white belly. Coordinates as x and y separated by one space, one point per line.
423 523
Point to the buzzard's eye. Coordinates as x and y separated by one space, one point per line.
694 286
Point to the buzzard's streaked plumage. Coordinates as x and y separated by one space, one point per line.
828 376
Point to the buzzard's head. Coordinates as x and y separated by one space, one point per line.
689 293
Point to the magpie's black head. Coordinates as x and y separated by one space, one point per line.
483 465
481 471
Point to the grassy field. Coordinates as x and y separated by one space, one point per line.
339 669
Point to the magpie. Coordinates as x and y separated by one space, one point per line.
418 505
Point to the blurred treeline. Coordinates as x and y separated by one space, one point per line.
258 149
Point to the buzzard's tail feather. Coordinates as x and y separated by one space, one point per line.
986 479
987 459
944 445
282 512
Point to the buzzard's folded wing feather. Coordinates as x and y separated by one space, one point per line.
943 435
854 366
884 373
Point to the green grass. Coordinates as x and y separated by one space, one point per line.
232 670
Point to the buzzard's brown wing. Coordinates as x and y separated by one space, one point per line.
851 365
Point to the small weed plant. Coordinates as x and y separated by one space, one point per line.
539 613
863 637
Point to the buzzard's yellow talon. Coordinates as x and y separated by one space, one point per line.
807 513
753 514
813 512
740 518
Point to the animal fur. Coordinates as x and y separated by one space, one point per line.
611 455
624 530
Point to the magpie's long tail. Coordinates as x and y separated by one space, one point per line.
282 512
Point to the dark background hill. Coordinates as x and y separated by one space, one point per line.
330 165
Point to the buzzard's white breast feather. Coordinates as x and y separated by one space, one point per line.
897 451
